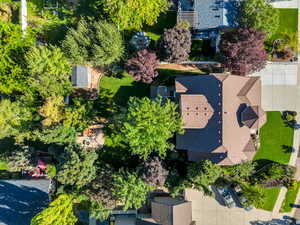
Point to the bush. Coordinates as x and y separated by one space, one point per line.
175 45
143 66
51 171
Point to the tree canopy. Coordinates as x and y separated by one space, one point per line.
243 51
259 14
49 71
143 66
148 124
175 44
77 166
12 53
130 190
133 14
59 212
96 44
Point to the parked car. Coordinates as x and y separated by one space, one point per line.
227 196
241 198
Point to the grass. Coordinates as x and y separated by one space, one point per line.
271 197
121 87
290 199
276 140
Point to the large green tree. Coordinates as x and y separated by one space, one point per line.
13 47
60 212
133 14
259 14
96 44
148 124
77 166
49 71
130 190
14 118
202 174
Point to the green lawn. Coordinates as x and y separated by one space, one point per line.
288 20
271 197
290 199
275 140
120 88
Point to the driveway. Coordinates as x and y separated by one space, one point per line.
208 211
20 200
280 86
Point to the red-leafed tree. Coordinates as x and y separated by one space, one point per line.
143 66
175 44
243 51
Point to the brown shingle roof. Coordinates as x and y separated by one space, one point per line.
236 108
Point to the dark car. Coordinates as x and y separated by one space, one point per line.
227 196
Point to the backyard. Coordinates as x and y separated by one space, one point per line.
276 139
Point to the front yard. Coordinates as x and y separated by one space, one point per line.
276 140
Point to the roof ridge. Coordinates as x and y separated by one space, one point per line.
247 87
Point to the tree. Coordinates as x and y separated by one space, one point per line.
49 71
59 212
133 14
175 44
143 66
202 174
243 51
13 47
14 118
148 124
253 195
242 171
77 166
259 14
52 110
22 158
99 211
94 44
154 172
130 190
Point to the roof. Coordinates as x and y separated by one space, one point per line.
211 14
20 200
169 211
81 76
195 110
237 112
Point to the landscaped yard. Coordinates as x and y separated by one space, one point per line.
276 140
290 198
123 86
271 197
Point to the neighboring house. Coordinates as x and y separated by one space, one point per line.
20 200
207 18
222 116
168 211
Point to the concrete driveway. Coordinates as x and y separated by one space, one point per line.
208 211
280 86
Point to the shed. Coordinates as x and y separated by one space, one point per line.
81 76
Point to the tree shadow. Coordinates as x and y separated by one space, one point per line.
287 149
19 203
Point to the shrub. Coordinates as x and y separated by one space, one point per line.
175 45
243 51
143 66
51 171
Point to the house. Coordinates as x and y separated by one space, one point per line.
222 116
168 211
207 18
81 76
21 200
